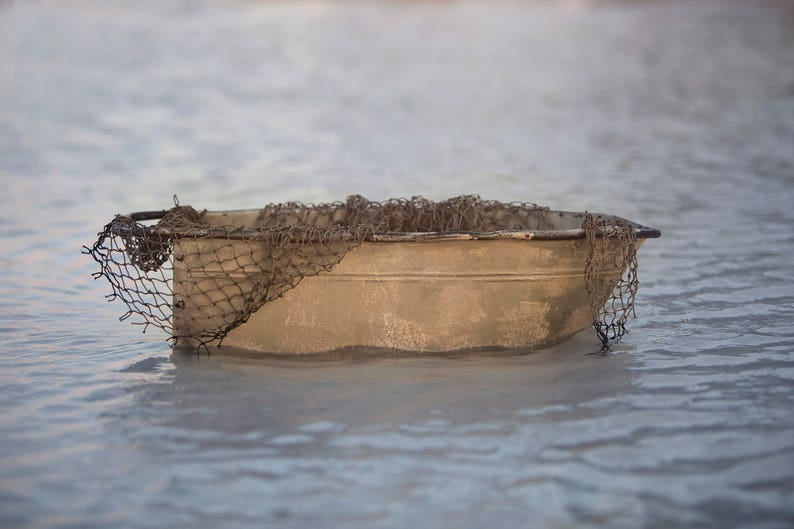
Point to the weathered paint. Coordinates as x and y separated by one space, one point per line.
427 295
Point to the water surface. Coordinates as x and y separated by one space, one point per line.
679 115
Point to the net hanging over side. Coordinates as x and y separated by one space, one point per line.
290 241
611 247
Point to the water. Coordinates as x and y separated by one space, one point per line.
676 114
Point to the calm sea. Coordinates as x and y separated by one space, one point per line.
675 114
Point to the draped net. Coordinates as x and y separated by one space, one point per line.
293 240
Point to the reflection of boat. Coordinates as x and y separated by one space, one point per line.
423 292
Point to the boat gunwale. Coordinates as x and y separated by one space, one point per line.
240 233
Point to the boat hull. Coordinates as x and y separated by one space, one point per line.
423 296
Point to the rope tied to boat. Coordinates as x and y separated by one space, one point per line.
198 281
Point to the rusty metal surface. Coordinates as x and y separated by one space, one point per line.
564 225
429 293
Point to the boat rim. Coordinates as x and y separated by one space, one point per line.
230 232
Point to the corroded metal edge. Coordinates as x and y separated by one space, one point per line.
230 232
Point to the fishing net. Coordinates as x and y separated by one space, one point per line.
610 275
198 280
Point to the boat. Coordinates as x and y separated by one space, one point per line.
522 286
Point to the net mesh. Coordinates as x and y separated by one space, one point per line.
152 269
610 275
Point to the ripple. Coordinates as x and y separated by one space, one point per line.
147 365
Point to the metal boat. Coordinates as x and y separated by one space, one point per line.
428 292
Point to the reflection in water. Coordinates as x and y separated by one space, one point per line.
393 391
368 429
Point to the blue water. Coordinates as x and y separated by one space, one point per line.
679 115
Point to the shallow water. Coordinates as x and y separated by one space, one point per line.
679 115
